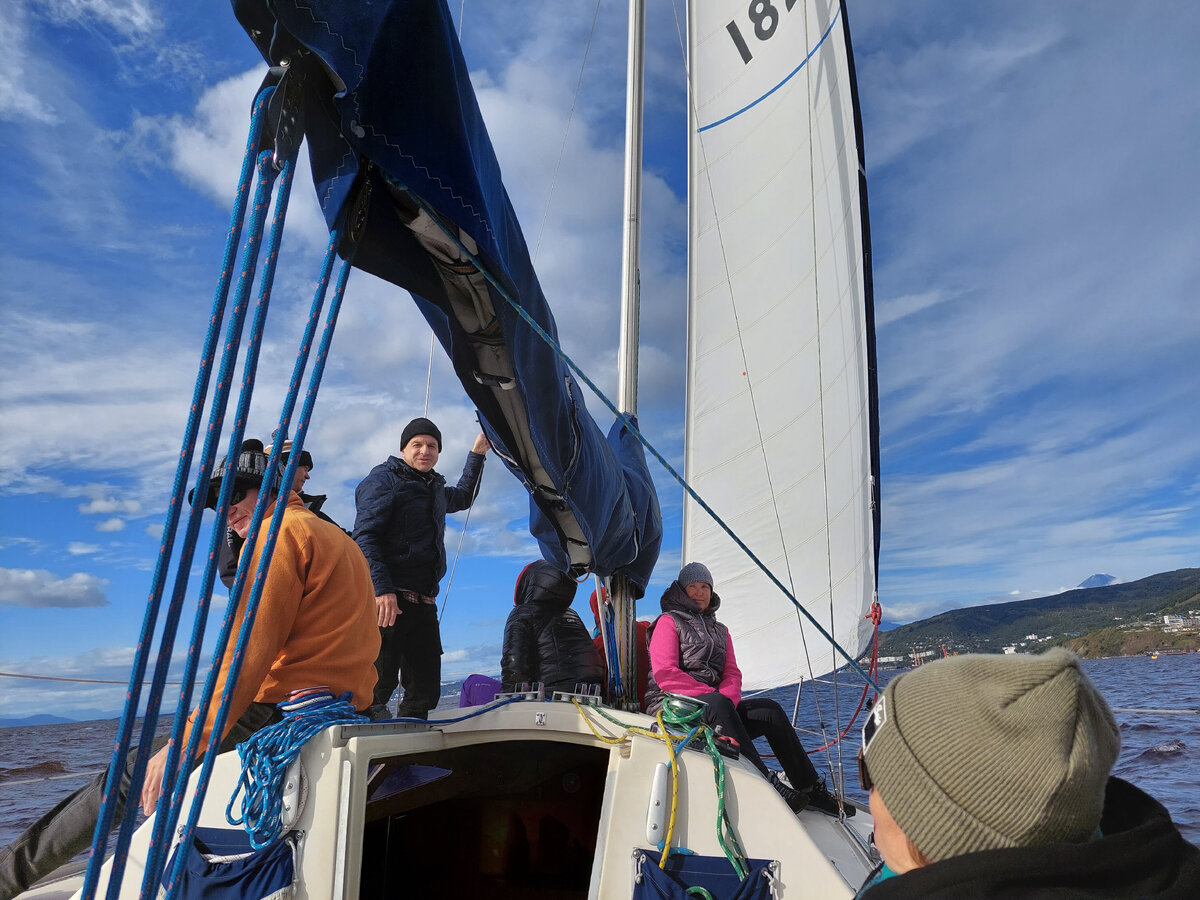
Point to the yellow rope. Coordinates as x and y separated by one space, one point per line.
662 862
661 735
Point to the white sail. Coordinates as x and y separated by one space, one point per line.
780 432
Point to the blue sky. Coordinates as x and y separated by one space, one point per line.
1032 182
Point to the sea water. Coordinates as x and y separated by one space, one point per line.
1160 751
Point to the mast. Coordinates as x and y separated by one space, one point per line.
627 352
621 594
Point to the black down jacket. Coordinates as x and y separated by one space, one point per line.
544 639
400 522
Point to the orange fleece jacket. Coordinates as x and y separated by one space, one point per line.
316 622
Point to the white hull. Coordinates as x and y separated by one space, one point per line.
528 782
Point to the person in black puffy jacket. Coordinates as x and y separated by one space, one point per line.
544 639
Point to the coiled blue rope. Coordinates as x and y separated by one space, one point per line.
267 754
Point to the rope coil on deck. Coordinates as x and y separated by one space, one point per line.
268 754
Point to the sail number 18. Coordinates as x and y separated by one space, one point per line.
764 17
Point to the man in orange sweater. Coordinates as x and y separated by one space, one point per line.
315 626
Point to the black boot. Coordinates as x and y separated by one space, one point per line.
796 800
820 798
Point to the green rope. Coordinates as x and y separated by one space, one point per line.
682 714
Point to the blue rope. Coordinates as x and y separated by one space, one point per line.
610 643
180 758
628 423
267 754
121 748
496 704
258 515
256 518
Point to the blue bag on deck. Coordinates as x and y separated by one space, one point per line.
713 873
221 865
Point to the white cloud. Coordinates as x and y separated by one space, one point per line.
206 148
17 102
38 588
78 548
113 524
132 19
110 505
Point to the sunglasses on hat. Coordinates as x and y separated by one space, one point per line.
876 720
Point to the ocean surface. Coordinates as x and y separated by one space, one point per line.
1160 752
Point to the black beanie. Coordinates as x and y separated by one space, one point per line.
420 426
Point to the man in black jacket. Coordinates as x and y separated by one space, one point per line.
400 526
544 639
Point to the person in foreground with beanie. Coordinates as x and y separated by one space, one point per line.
315 625
400 526
989 777
691 654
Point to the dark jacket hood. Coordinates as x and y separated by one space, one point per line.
1140 853
540 582
675 599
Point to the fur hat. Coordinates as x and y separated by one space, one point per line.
250 469
417 426
982 752
694 572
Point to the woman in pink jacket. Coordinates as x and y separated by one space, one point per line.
691 653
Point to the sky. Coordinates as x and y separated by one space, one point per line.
1032 182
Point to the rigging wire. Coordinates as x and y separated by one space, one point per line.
545 215
750 391
812 200
567 130
623 418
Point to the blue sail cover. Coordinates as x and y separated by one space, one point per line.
404 168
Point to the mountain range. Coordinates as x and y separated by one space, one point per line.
1057 617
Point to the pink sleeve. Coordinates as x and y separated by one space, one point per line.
664 662
731 678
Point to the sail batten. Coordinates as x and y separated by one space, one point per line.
780 436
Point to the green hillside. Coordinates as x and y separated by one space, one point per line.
1060 617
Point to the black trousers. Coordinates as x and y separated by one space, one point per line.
410 654
761 717
67 829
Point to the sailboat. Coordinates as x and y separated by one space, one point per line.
531 796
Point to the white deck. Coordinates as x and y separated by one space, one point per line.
818 855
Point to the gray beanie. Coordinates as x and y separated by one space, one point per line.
695 572
981 752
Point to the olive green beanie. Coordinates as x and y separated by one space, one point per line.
982 752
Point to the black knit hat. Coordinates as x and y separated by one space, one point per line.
251 467
417 426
